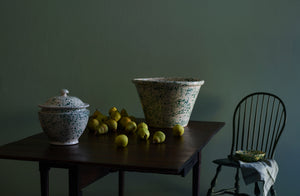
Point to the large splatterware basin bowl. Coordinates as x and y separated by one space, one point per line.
63 118
167 101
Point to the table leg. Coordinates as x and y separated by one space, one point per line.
44 177
121 183
74 186
196 176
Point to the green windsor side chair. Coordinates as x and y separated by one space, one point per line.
258 122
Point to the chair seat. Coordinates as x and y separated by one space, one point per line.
227 162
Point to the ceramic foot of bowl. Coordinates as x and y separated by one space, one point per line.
64 143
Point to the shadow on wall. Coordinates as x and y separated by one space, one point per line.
207 107
16 125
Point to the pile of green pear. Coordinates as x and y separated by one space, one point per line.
123 124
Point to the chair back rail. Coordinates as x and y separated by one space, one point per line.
258 122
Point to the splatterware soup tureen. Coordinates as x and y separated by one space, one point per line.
63 118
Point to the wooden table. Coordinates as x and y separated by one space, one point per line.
97 156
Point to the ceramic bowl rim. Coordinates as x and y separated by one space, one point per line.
63 113
86 105
169 80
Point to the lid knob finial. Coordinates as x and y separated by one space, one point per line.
64 92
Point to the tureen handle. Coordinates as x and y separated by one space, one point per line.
64 92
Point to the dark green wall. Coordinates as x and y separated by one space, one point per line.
95 48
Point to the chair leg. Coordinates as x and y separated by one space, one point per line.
237 184
256 189
273 192
213 182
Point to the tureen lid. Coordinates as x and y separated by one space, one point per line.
64 101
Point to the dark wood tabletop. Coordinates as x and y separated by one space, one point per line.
96 156
170 157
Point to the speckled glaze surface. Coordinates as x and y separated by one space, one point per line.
64 128
63 118
167 101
